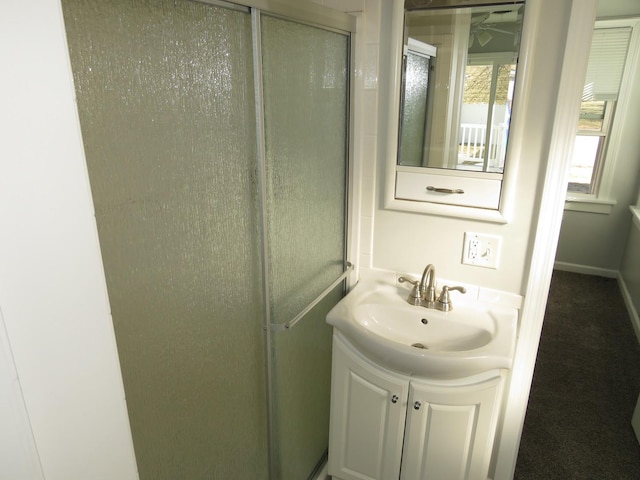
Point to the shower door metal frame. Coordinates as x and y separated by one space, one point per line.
314 15
319 17
305 12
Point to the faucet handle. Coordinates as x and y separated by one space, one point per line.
414 297
444 300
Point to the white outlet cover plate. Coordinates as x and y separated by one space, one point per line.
481 250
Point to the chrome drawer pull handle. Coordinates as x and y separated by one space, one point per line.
444 190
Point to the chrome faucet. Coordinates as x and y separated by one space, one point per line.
427 286
424 291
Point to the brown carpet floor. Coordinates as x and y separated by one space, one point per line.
585 386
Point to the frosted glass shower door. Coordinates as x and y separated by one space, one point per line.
165 96
204 238
305 74
413 118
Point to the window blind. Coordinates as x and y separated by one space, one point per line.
606 63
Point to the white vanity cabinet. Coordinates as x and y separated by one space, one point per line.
368 408
387 426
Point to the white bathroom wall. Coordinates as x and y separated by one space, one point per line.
18 454
595 242
617 8
52 292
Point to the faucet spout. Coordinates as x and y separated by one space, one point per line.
428 286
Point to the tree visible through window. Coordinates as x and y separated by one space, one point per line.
486 111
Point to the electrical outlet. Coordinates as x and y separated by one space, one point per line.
481 250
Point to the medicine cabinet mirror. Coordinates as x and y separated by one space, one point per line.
455 84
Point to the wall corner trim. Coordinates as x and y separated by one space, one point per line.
547 223
633 313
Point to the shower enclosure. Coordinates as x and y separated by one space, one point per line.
216 139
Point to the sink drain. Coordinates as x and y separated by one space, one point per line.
419 345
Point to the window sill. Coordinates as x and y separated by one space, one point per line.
589 204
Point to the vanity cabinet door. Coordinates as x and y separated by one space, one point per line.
368 410
450 430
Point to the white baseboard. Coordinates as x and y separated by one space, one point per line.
633 313
586 269
324 473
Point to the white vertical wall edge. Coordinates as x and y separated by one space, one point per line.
635 214
627 84
52 285
628 301
18 453
356 134
553 192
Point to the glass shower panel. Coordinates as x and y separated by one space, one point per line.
165 96
413 119
302 381
305 74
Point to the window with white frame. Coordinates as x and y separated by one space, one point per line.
607 60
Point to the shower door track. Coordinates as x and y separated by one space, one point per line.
308 13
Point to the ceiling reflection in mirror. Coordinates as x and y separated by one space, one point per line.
459 71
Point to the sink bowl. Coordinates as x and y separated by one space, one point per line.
470 339
424 329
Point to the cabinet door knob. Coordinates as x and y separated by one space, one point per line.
417 405
394 399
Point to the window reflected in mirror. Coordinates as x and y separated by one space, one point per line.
459 72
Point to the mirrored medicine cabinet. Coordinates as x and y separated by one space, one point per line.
455 65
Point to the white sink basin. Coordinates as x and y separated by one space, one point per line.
470 339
